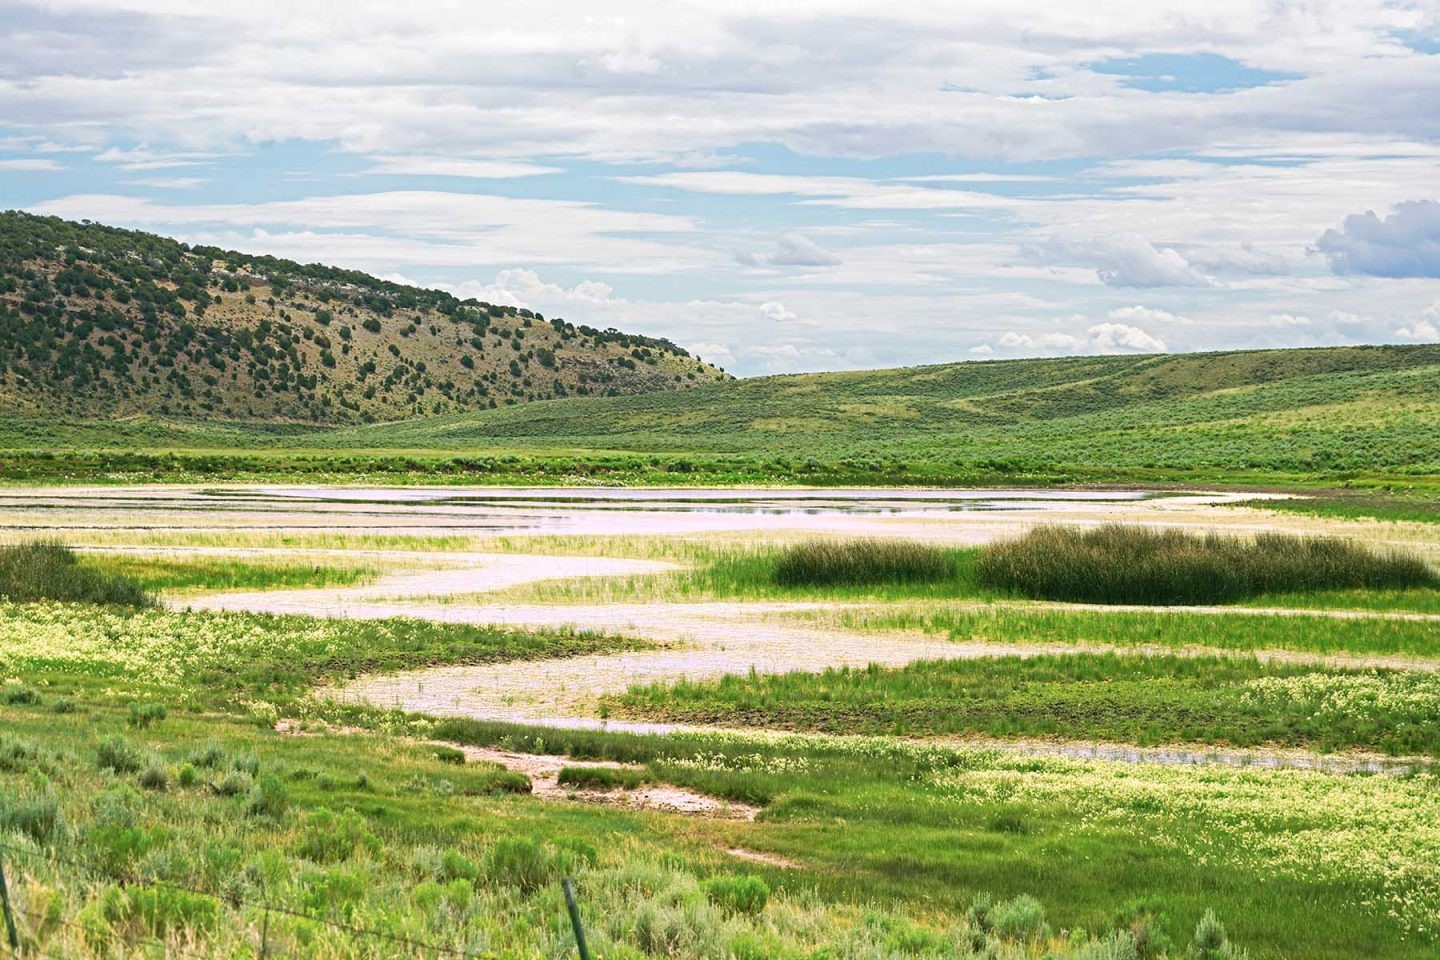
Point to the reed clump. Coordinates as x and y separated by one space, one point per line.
1120 563
862 563
44 570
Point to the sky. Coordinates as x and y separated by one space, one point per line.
779 187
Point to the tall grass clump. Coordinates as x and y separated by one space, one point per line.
862 563
42 570
1129 564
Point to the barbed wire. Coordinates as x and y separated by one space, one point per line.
238 902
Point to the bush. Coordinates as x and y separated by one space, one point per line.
34 811
17 694
268 798
154 776
862 563
738 894
328 838
1129 564
145 714
63 705
17 755
1211 943
119 755
529 865
233 784
44 570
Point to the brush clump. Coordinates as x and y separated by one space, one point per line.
1120 563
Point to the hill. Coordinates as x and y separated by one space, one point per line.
98 322
1329 413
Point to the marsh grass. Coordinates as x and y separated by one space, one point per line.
1111 697
44 570
1119 563
862 562
223 573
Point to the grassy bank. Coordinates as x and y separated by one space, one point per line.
1229 701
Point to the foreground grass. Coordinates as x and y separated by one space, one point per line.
1125 698
217 659
1298 864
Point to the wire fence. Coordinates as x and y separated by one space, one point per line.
20 945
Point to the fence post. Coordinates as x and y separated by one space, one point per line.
11 933
575 918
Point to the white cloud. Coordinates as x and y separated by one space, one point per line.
1405 243
438 166
792 250
1426 328
774 312
1122 338
1122 260
30 165
380 231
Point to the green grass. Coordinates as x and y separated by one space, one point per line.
50 571
374 834
1298 864
862 563
216 573
600 778
1240 631
1125 698
1128 564
1355 416
202 659
1356 506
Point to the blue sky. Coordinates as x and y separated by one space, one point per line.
780 187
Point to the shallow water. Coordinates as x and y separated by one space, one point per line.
501 511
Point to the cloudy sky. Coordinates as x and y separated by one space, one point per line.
780 186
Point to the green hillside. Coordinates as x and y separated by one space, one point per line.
101 322
1363 415
1326 413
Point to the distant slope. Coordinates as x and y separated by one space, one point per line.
1316 412
97 323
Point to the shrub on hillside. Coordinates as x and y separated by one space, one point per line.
1131 564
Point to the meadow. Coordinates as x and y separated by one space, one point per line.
1357 417
181 782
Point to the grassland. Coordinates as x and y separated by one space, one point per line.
1359 416
150 797
1124 698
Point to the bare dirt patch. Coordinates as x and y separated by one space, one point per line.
544 773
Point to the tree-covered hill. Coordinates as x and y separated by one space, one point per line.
101 322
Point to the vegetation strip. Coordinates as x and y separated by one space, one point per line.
1145 700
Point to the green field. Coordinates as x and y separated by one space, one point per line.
1358 416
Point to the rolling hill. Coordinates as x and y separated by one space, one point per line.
98 322
1323 413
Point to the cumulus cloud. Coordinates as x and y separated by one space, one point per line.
1121 260
1426 328
1107 338
1405 243
773 311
